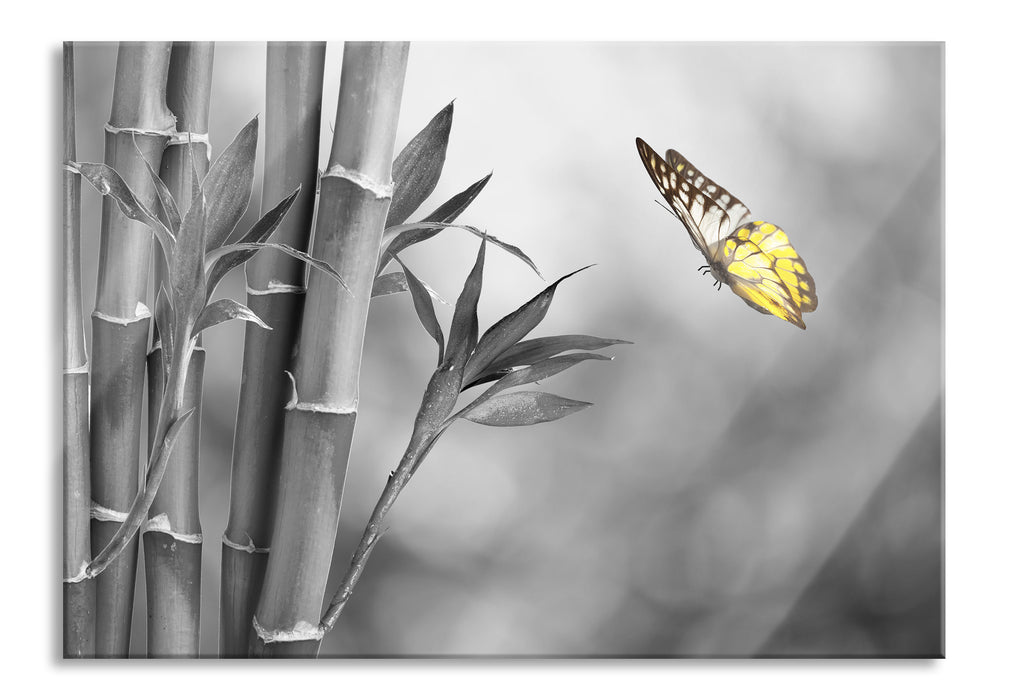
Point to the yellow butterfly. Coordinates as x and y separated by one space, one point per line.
754 258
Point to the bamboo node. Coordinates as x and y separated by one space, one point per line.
275 287
100 512
161 523
139 313
183 138
251 548
320 407
81 575
301 632
83 369
296 405
380 190
137 131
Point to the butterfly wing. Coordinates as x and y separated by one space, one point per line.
788 265
717 211
670 184
765 271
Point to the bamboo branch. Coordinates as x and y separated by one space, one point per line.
420 445
173 541
78 591
276 286
319 426
139 124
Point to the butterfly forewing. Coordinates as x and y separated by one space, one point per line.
669 184
720 213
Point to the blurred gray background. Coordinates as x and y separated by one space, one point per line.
741 486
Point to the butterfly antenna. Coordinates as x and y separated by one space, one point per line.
665 207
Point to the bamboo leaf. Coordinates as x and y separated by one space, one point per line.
529 352
168 205
511 329
395 282
195 186
320 265
447 212
389 283
394 231
540 371
164 317
228 185
425 309
225 310
109 183
417 168
259 232
522 408
464 331
189 282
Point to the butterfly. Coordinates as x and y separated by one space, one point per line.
754 258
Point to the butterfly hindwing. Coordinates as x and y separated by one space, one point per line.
788 265
752 257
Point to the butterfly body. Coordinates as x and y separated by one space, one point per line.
754 258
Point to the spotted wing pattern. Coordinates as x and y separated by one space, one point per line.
727 214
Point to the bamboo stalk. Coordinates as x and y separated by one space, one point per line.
78 590
276 286
173 540
319 425
120 325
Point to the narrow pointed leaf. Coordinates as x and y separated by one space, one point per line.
165 198
464 331
228 185
109 183
529 352
164 318
436 226
259 233
225 310
395 283
389 283
320 265
196 190
189 282
417 168
538 372
447 212
528 375
511 329
457 204
522 408
425 309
